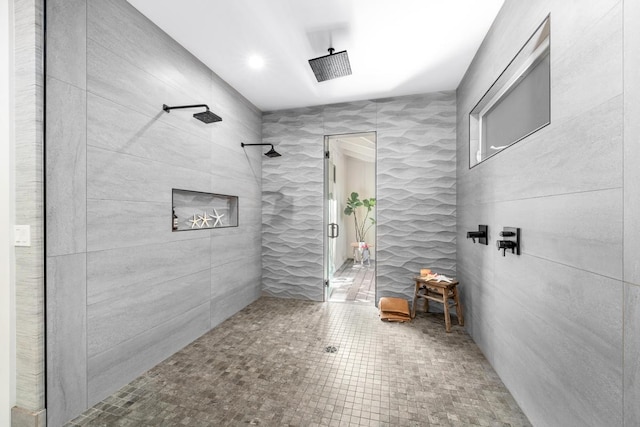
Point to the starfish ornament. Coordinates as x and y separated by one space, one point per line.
217 217
205 220
195 221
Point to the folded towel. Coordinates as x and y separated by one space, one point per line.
394 305
390 317
394 309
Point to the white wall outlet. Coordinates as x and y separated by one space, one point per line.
22 235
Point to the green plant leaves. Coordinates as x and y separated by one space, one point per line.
369 203
353 203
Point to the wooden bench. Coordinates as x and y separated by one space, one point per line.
446 293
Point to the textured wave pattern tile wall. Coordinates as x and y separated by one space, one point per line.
427 111
416 191
292 191
349 117
416 206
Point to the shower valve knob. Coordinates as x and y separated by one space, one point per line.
510 240
506 244
473 235
481 234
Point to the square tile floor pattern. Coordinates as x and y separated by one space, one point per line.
267 366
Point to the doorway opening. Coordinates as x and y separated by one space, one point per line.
350 218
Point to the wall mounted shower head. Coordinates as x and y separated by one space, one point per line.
270 153
205 117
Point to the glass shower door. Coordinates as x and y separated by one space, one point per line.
332 229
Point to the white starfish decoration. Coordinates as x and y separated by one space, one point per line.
205 220
195 221
217 217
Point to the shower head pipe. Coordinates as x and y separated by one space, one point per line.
270 153
205 117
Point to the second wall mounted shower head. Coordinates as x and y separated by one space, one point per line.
205 116
270 153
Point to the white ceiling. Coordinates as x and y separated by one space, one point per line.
398 47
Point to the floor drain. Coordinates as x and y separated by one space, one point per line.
330 349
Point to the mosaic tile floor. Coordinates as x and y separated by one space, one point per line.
268 366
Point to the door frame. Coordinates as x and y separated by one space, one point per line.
325 211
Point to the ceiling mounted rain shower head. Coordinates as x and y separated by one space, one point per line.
270 153
331 66
205 117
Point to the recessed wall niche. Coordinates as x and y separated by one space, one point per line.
195 210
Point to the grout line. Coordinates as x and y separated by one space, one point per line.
624 141
571 266
86 207
134 65
163 243
543 196
147 115
150 330
624 297
153 160
45 264
157 282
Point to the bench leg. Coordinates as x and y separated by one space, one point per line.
458 307
415 301
447 318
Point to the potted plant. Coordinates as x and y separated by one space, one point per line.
353 206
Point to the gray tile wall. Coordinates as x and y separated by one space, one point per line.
29 210
558 323
631 273
416 191
123 291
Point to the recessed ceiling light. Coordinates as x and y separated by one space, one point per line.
255 61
